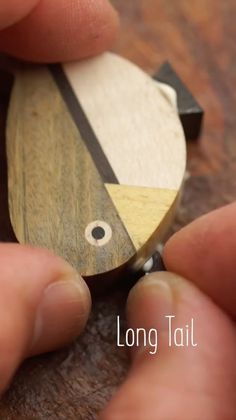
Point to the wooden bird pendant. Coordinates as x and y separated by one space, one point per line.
96 158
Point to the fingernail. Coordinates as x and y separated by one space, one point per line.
62 313
150 301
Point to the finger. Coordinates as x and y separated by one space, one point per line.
44 304
62 30
177 382
204 252
11 11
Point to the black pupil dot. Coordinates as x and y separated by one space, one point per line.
98 233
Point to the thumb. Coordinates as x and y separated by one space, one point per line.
184 380
44 304
11 11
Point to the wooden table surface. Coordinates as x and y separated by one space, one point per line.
198 38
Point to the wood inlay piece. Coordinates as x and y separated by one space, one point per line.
55 190
141 209
96 158
132 119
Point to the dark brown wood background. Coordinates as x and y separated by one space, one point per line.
199 40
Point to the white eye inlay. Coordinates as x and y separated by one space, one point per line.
98 233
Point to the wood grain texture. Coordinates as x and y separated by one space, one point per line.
135 123
55 191
57 197
142 209
198 38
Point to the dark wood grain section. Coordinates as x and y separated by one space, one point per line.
48 167
198 38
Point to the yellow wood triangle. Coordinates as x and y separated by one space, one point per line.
141 209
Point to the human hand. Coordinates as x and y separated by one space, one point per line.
44 304
32 319
183 383
56 31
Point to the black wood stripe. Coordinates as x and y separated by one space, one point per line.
6 231
83 125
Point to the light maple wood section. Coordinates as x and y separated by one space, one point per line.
134 121
141 209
